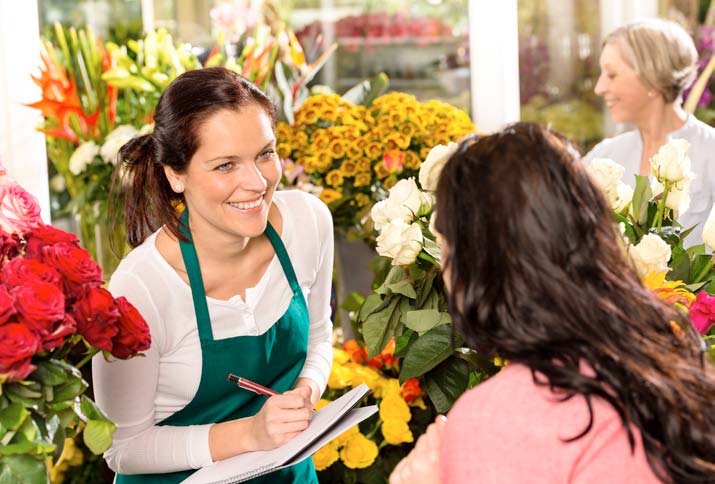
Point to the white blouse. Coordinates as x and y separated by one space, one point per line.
138 393
626 149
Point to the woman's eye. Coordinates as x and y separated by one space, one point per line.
267 154
224 166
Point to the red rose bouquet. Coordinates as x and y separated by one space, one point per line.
54 316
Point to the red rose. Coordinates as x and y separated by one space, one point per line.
39 305
17 346
19 210
410 390
134 335
63 328
45 235
9 246
97 315
7 306
74 263
18 271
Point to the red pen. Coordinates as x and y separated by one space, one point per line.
252 386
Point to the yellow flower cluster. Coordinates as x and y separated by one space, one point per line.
71 457
356 450
353 151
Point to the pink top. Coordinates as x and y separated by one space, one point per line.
509 430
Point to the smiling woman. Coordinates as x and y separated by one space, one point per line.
645 67
237 282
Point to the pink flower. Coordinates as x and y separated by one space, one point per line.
19 210
702 312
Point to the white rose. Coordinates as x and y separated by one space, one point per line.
709 230
115 140
433 164
624 196
607 174
83 156
400 241
405 202
678 196
671 163
650 255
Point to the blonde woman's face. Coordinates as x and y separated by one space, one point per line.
624 92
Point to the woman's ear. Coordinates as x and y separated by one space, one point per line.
175 180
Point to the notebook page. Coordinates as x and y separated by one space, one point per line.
248 463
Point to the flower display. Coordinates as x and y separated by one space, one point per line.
356 153
54 316
372 446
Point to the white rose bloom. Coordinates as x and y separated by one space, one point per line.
116 140
433 164
400 241
624 196
671 163
709 230
405 202
83 156
607 174
650 255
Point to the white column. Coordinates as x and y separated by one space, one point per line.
147 15
22 148
494 61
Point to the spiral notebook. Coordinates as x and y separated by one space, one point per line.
327 423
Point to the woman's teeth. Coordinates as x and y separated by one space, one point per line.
247 205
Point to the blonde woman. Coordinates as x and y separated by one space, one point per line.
645 67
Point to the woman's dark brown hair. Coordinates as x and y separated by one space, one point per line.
139 181
539 277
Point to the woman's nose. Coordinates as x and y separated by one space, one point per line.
600 88
253 180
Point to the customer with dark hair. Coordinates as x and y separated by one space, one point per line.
605 382
237 281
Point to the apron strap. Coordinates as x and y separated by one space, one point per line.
191 261
282 254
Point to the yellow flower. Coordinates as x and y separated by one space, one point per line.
348 168
343 438
361 199
364 165
340 356
673 292
411 161
387 386
321 143
334 178
300 138
325 456
362 180
407 130
321 403
328 195
396 432
394 407
340 377
390 182
283 150
374 150
366 375
359 452
336 148
381 170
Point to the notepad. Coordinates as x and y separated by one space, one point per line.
326 424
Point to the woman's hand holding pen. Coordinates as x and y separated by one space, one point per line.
281 418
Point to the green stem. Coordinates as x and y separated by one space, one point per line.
371 434
703 272
658 219
425 256
87 357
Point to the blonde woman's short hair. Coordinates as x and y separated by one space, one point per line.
661 52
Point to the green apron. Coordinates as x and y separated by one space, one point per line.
273 359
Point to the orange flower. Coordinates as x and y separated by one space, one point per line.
394 161
357 353
411 390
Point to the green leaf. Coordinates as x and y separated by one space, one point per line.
425 290
368 90
680 267
70 390
90 410
403 287
380 326
23 469
446 383
702 264
403 341
371 303
432 248
353 301
98 435
49 373
13 416
428 351
397 274
426 319
641 196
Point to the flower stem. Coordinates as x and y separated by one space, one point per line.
87 357
703 272
658 220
